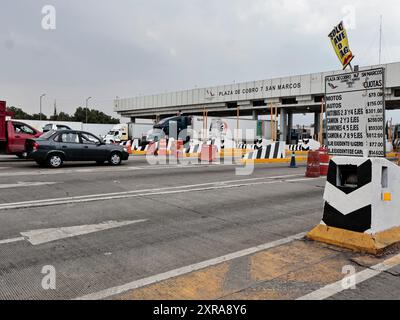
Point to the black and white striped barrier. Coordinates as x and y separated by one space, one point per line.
298 147
273 151
362 205
305 145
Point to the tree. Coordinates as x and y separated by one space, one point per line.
93 116
37 116
62 116
19 114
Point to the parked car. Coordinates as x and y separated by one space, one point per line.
55 127
55 147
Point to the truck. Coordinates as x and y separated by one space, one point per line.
13 134
128 131
211 127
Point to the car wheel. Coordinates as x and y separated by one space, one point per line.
55 161
20 156
115 159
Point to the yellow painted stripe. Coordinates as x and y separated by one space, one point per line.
284 272
285 160
362 242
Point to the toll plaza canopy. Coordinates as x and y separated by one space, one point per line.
295 94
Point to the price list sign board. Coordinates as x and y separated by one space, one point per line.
355 113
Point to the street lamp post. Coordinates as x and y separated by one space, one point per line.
87 101
40 111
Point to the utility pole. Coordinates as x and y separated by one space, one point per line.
40 111
55 110
380 41
87 101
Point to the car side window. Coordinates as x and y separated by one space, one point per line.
68 138
17 128
21 128
27 130
89 139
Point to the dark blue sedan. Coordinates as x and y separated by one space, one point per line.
55 147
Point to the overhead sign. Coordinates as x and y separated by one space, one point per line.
340 44
355 113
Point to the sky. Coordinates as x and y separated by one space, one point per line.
125 48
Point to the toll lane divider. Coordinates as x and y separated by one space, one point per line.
362 201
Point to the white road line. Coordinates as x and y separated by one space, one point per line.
185 270
25 184
100 169
155 189
337 287
134 194
12 240
104 169
41 236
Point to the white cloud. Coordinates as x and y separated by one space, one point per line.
107 48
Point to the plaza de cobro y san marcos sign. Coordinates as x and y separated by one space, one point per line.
355 113
256 90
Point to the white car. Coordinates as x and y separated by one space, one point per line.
54 127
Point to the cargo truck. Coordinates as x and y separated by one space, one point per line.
13 134
211 127
125 132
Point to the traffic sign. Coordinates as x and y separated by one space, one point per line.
355 113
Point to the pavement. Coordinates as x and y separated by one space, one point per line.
142 231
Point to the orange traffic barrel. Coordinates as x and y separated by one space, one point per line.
177 149
313 165
208 153
163 147
324 161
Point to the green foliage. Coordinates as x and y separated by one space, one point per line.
93 116
37 116
19 114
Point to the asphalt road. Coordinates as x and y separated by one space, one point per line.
104 228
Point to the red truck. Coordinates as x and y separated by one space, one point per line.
13 134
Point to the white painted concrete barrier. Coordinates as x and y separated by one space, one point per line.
361 204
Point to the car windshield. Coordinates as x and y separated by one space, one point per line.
47 127
47 135
165 120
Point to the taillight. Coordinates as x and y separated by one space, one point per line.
35 146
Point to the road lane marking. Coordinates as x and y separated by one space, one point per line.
185 270
22 184
155 189
337 287
11 240
136 193
108 170
41 236
101 169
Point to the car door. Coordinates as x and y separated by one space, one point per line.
93 148
21 132
69 143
